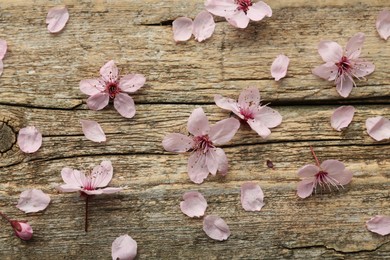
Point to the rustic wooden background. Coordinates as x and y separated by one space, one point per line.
40 86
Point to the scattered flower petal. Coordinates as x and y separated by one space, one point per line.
379 224
252 197
182 29
93 131
383 24
204 26
29 139
378 128
279 67
124 248
194 204
56 18
22 229
33 201
342 117
3 48
216 228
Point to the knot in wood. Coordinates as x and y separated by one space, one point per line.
7 137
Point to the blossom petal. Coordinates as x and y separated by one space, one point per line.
98 101
222 8
224 130
259 127
204 26
29 139
379 224
68 188
326 71
194 204
212 161
362 68
344 86
249 97
197 168
124 248
198 124
107 190
258 11
330 51
102 174
91 86
252 197
228 104
56 18
182 29
332 167
177 143
222 161
72 177
124 104
109 71
93 131
239 19
354 46
33 201
279 67
343 178
268 116
308 171
342 117
378 128
305 188
3 48
132 82
216 228
383 24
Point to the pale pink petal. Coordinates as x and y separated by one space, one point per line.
222 161
228 104
29 139
22 230
342 178
216 228
93 131
91 86
383 24
326 71
56 18
268 116
258 11
342 117
102 174
362 68
33 201
72 177
332 167
259 127
197 168
252 197
68 188
279 67
110 190
177 143
124 248
224 130
249 97
109 71
124 104
378 128
198 124
1 67
354 46
379 224
98 101
194 204
222 8
330 51
3 48
305 188
212 161
132 82
344 86
182 29
239 19
308 171
204 26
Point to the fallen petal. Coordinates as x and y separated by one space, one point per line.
124 248
182 29
342 117
29 139
379 224
33 201
93 131
194 204
383 24
3 48
204 26
216 228
378 128
252 197
279 67
56 18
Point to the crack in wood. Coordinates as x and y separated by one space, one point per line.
7 137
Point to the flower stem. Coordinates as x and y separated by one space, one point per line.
86 213
5 216
315 157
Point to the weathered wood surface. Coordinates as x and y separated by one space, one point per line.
39 87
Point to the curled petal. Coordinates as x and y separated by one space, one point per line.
194 204
124 104
330 51
259 127
258 11
124 248
342 117
93 131
132 82
378 128
228 104
182 29
204 26
279 67
379 224
29 139
22 230
98 101
216 228
197 167
239 20
56 18
344 86
109 71
268 117
177 143
332 167
198 124
383 24
33 201
224 130
252 197
305 188
308 171
108 190
249 97
91 86
354 46
3 48
326 71
224 8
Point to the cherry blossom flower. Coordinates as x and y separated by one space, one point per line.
205 157
383 24
124 248
194 204
342 117
329 173
29 139
379 224
33 200
252 197
111 86
341 66
239 12
56 19
202 27
3 51
216 228
279 67
93 131
378 128
22 229
248 109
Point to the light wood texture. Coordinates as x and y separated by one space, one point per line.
39 86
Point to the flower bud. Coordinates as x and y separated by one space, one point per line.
22 230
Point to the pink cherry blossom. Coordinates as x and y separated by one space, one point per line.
56 19
378 128
379 224
249 110
279 67
29 139
383 24
341 66
124 248
252 197
33 200
93 131
111 86
202 27
194 204
22 229
216 228
329 173
342 117
239 12
205 157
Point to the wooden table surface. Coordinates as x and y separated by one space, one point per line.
40 87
